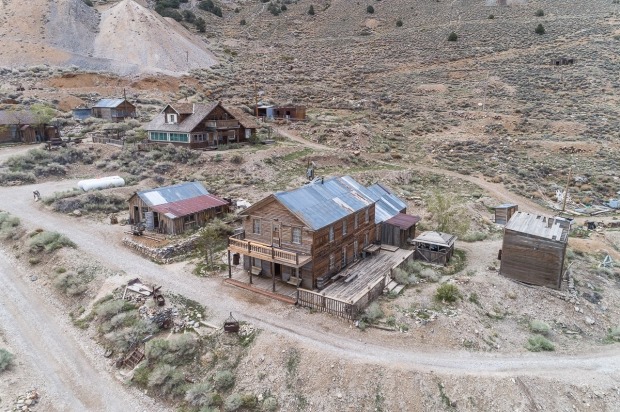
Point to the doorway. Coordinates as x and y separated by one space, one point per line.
136 215
275 234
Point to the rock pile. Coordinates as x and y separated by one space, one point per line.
26 402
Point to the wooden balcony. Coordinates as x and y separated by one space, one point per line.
267 252
222 124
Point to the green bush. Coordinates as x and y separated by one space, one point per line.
175 351
125 338
399 23
613 335
224 380
167 380
109 308
17 178
270 404
8 225
372 313
370 9
540 13
200 394
6 359
201 25
538 343
540 327
89 3
242 22
71 283
447 292
540 29
48 241
233 403
188 16
249 401
491 16
453 37
211 7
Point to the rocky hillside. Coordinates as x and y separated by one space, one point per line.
125 38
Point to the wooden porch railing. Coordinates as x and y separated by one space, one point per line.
222 124
262 251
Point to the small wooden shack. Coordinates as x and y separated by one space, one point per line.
287 112
24 126
434 247
115 110
504 212
399 230
175 209
534 248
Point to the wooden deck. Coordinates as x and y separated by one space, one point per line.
355 281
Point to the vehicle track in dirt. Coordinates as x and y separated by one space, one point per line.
101 242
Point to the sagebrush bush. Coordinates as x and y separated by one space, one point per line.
199 394
108 309
538 343
17 178
70 283
613 334
224 380
167 380
6 359
453 37
233 403
175 351
48 241
124 338
447 292
270 404
8 225
372 313
539 327
429 274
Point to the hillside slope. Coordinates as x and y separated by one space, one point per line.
125 39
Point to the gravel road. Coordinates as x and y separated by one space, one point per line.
102 242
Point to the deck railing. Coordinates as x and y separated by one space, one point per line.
262 251
107 140
316 300
222 124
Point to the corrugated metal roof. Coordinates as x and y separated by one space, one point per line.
189 206
541 226
436 238
170 194
403 221
111 103
388 204
322 203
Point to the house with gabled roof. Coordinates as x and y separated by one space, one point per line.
307 235
200 126
24 126
174 209
115 110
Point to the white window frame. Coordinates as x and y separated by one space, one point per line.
171 118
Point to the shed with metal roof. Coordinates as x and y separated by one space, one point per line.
434 247
175 209
534 248
115 110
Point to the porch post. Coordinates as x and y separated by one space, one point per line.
273 275
250 272
229 266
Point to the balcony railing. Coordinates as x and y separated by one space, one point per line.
222 124
266 252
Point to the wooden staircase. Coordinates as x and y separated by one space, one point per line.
134 357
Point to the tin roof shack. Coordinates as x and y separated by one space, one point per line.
200 126
115 110
287 112
399 230
23 126
434 247
504 212
534 248
175 209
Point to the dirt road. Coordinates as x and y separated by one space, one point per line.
101 242
63 371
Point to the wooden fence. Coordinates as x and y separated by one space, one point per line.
348 310
107 140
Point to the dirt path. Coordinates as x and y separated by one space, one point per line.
295 137
101 242
63 370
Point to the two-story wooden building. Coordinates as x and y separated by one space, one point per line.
197 126
115 110
307 235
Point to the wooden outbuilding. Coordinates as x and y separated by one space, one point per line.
284 112
175 209
534 248
434 247
115 110
23 126
399 230
504 212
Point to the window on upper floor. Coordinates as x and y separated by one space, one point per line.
171 118
344 227
356 221
366 215
256 226
332 262
296 235
331 233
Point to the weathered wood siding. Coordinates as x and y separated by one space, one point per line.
532 259
394 235
503 215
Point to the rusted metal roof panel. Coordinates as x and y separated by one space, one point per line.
403 221
189 206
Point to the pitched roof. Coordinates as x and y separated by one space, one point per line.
189 206
17 117
550 228
198 114
388 204
174 193
183 108
403 221
505 206
246 120
436 238
110 103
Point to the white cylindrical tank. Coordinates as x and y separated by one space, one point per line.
101 183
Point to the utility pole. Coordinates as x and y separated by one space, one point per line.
566 190
255 100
